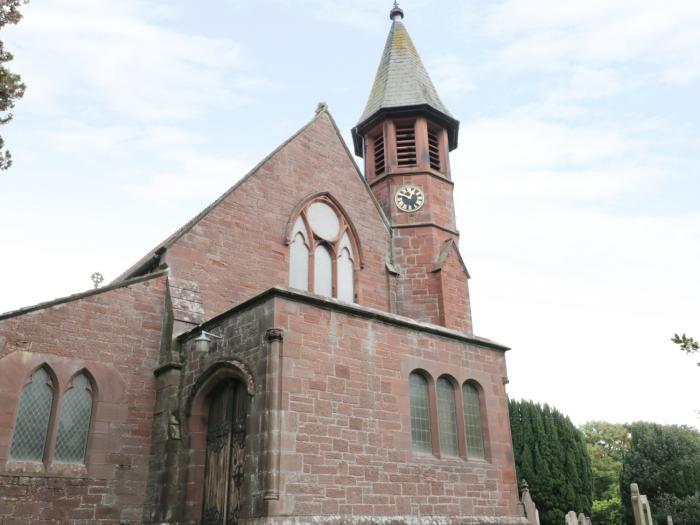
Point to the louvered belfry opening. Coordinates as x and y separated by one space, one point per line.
379 162
406 144
434 149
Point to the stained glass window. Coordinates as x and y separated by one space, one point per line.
33 414
447 416
420 414
74 422
472 421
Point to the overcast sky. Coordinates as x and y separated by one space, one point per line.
577 176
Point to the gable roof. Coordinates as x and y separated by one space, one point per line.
449 247
81 295
153 259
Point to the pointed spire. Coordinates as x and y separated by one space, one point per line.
402 83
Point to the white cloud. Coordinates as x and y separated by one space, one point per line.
119 56
550 34
587 292
452 77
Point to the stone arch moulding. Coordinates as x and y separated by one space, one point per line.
329 198
90 378
217 372
16 367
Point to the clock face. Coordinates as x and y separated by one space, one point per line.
409 198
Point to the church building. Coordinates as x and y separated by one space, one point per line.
300 352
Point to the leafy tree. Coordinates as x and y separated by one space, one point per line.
684 511
551 455
664 460
687 344
606 444
11 86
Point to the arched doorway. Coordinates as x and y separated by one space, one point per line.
225 444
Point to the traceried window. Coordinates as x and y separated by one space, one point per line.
472 421
33 416
420 413
322 259
74 422
447 417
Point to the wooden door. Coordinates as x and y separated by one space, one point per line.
224 474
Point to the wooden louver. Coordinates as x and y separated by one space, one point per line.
434 150
406 145
379 164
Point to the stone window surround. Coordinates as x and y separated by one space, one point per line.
461 430
16 368
346 227
47 465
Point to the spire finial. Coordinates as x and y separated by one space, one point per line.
396 12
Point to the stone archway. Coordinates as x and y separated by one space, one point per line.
217 412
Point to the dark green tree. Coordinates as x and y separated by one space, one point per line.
11 86
664 460
550 454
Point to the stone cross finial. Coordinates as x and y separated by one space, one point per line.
396 12
97 279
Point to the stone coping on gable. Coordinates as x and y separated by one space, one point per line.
82 295
348 308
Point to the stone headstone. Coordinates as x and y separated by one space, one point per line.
533 516
571 518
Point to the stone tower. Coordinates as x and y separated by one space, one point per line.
405 135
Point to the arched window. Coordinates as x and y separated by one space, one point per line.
447 417
33 416
323 271
472 421
74 422
420 413
321 254
299 258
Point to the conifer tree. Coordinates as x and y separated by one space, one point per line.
551 455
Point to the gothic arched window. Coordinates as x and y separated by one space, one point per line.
421 433
33 416
447 417
472 421
74 422
322 257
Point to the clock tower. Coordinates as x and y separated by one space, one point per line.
405 136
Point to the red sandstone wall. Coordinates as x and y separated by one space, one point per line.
454 291
237 251
347 437
116 336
